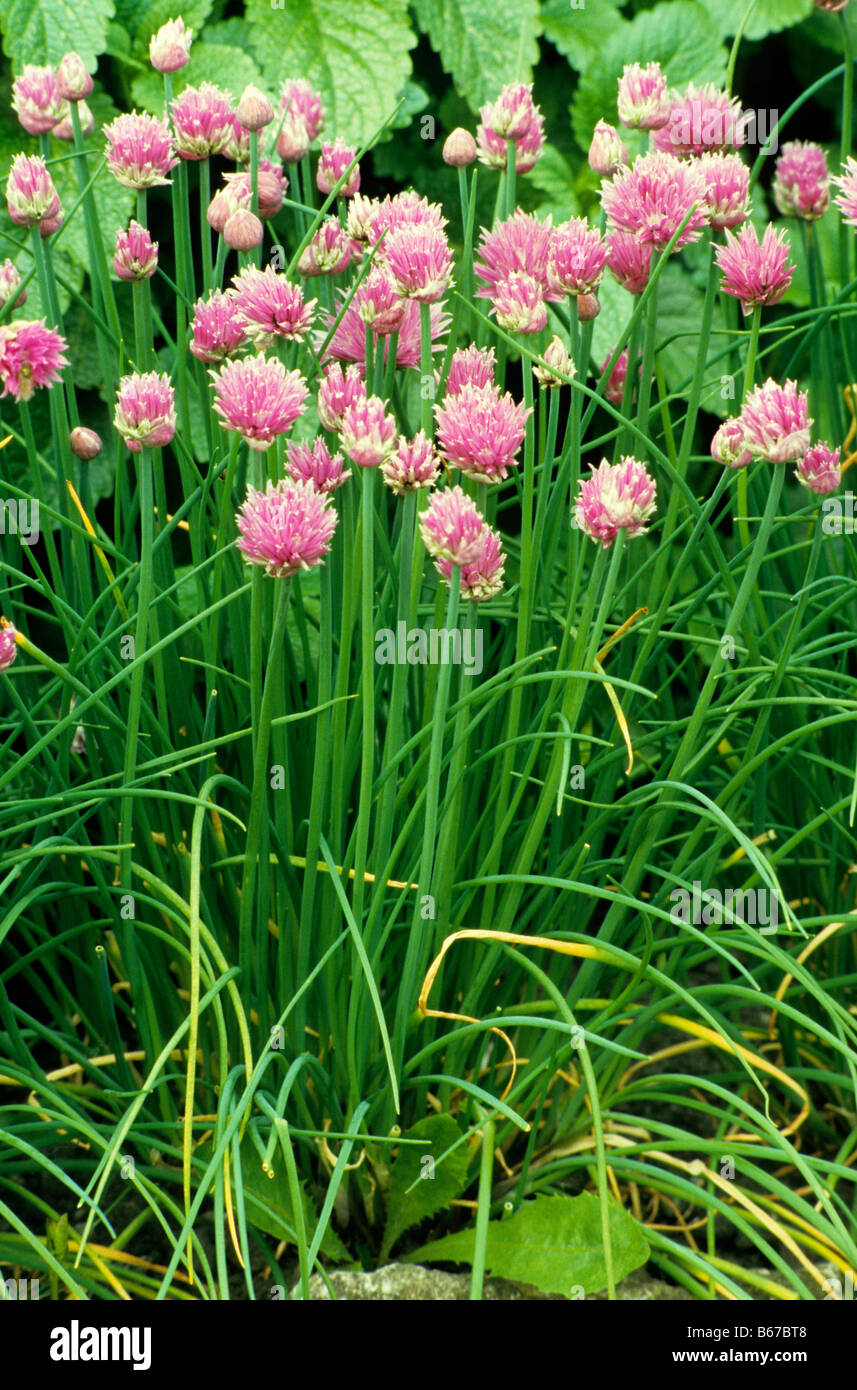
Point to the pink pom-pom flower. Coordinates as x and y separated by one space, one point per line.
846 199
139 150
643 103
729 445
329 253
452 527
412 465
257 398
470 366
336 392
653 198
145 413
30 193
801 184
31 356
202 121
367 432
480 431
629 261
756 272
775 422
617 497
577 258
702 121
335 159
348 343
169 48
217 327
272 307
302 122
727 189
136 255
314 463
482 578
36 99
10 280
419 263
285 529
513 116
819 470
521 243
517 304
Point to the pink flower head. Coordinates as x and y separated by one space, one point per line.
217 327
819 470
776 423
31 356
480 431
702 121
577 258
8 647
30 194
614 387
271 188
304 120
258 399
451 527
405 209
224 202
801 184
513 116
202 121
652 199
254 111
367 432
139 153
361 214
617 497
136 255
348 343
413 464
272 307
517 304
419 262
287 528
314 463
329 253
642 102
36 100
337 391
482 578
607 152
558 359
727 189
379 303
729 445
846 182
293 139
521 243
73 80
629 261
756 272
145 413
169 48
470 366
335 159
10 279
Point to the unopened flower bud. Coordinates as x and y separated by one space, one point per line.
73 81
588 307
254 110
86 444
555 355
459 148
243 230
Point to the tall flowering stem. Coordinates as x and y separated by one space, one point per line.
749 376
367 658
102 285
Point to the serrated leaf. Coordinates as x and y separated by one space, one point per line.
679 34
143 18
483 43
43 32
436 1184
357 56
229 68
580 35
268 1203
768 17
552 1242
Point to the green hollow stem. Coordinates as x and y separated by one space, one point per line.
511 175
204 228
644 394
426 373
749 374
483 1210
102 287
367 677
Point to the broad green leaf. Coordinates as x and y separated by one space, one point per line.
436 1183
143 18
552 1242
679 34
357 56
42 31
483 43
268 1203
580 34
768 17
229 68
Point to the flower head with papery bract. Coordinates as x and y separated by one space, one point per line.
145 413
652 199
287 528
314 463
801 184
607 151
202 121
329 253
419 263
412 465
577 258
367 432
348 343
775 422
136 255
702 121
727 189
336 392
74 82
169 48
258 399
521 243
729 445
139 150
218 327
470 366
819 470
379 303
31 356
405 209
480 431
482 578
642 102
756 272
517 304
452 527
272 307
617 497
629 261
36 100
30 194
299 100
334 160
513 116
8 646
846 199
